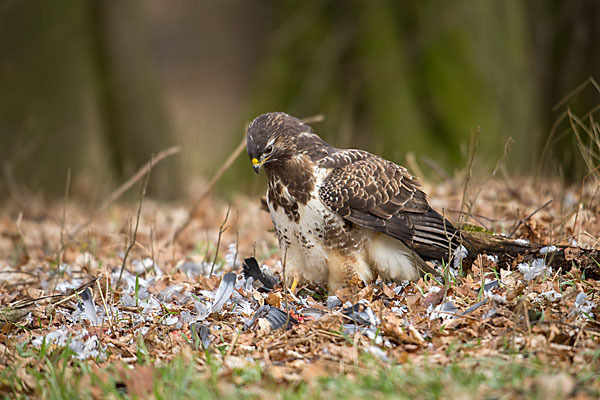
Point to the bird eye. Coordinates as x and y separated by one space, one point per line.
269 149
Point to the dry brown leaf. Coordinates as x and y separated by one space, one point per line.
274 299
388 291
139 380
433 299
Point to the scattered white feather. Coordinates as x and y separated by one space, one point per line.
186 316
89 348
170 293
202 310
548 249
432 290
377 352
536 268
89 306
498 298
224 291
231 256
243 306
550 295
490 313
86 258
138 267
192 269
128 280
399 308
372 318
65 286
523 242
400 287
83 348
371 333
583 307
489 285
58 337
150 305
333 302
459 254
444 311
64 268
493 258
580 299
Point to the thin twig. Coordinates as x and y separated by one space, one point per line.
137 223
313 119
63 219
237 242
474 217
473 147
152 230
222 229
458 315
437 168
575 92
473 200
126 186
232 157
11 182
76 292
285 289
106 310
492 220
529 216
232 344
552 136
22 234
61 247
581 197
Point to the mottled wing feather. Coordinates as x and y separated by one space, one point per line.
380 195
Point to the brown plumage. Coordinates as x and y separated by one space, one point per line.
341 214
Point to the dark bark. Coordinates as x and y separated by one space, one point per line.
509 252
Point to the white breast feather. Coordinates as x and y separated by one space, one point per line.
392 259
306 255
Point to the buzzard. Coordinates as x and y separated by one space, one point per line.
344 215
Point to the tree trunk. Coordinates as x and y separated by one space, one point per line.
132 114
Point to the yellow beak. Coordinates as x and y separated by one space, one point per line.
256 164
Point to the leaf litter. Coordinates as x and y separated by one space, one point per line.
168 304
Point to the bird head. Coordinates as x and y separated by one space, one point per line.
272 137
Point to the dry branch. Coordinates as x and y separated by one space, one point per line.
15 312
222 230
137 224
232 157
521 221
126 186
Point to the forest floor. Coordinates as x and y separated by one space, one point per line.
180 319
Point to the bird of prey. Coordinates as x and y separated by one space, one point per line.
343 215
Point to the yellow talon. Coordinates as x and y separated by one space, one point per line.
294 284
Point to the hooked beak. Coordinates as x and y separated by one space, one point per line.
257 165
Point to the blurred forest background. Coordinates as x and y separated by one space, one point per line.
97 86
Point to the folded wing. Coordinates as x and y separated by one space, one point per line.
377 194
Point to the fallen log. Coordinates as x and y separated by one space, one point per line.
510 251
